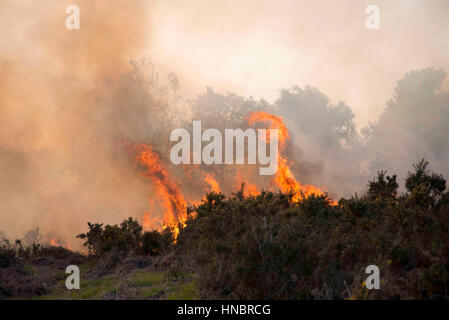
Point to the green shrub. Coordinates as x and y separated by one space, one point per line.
156 243
7 254
267 247
126 238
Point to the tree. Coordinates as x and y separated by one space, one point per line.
425 186
309 110
384 187
414 124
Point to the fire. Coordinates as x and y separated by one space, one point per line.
213 184
250 189
147 220
276 123
284 178
286 181
54 243
167 190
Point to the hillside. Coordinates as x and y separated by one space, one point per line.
265 246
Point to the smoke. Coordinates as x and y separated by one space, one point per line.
60 129
414 125
254 48
328 151
326 145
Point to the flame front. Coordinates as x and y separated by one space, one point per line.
54 243
169 193
167 190
284 178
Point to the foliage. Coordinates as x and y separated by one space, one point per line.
267 247
7 254
384 187
27 271
424 186
126 237
262 247
156 243
309 110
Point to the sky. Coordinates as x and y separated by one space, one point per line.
255 48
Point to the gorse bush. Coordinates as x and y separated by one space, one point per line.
128 237
14 254
124 237
157 242
267 247
8 254
27 271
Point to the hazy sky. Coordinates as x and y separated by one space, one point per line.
257 47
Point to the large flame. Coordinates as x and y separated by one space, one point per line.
284 178
276 123
167 190
169 193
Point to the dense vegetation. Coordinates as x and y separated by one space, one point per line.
127 238
32 270
268 247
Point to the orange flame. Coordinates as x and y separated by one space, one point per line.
213 184
284 178
250 188
54 243
167 190
276 123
